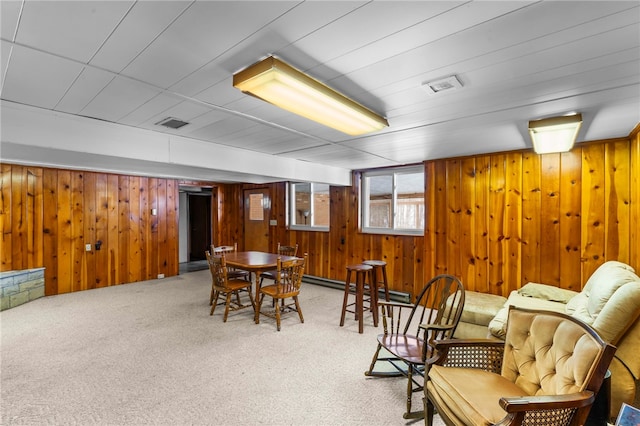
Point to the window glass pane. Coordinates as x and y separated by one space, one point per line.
320 204
380 200
302 203
410 201
393 200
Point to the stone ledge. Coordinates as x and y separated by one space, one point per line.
19 287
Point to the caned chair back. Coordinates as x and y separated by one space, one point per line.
289 276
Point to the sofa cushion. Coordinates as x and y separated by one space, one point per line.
547 292
498 325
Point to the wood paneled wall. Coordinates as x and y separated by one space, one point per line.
47 216
500 221
496 221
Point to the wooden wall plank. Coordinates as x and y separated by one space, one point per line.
101 230
430 218
481 225
6 247
172 227
153 228
440 220
497 225
513 222
570 201
144 229
162 227
593 209
454 212
113 226
50 231
634 216
550 219
77 246
18 220
64 241
134 246
467 221
89 233
531 202
617 201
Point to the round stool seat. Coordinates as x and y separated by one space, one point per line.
360 267
382 266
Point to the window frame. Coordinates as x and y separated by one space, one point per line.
364 204
291 208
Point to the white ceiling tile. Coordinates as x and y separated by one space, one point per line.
203 32
145 22
88 84
144 113
79 27
118 99
37 78
10 11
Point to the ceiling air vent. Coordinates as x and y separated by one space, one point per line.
443 84
172 123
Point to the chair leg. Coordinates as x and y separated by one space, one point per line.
373 362
409 390
211 296
295 299
277 316
226 307
429 412
409 414
215 302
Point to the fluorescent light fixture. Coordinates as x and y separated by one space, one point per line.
555 134
288 88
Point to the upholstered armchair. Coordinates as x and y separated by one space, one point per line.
546 371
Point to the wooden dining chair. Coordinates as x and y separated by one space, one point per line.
282 250
232 273
222 285
408 342
288 280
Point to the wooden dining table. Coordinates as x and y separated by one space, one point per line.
256 262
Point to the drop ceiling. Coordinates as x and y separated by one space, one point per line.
120 67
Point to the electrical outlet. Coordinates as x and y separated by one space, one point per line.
87 247
160 275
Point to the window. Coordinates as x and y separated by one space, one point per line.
392 201
309 206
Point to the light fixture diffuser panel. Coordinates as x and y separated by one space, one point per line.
288 88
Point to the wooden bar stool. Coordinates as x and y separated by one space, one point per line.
361 272
380 265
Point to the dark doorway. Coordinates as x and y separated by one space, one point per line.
199 225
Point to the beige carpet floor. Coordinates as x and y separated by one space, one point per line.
149 353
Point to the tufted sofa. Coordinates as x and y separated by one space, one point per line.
609 302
